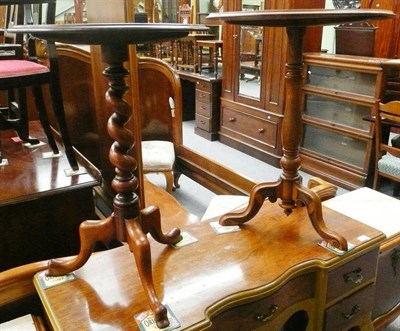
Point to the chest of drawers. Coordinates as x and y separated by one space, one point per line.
207 117
380 211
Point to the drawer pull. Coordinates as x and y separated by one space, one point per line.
203 107
232 119
261 130
355 276
354 311
267 316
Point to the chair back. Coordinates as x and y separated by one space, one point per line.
160 104
20 12
185 14
387 156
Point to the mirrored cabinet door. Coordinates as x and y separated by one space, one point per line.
250 55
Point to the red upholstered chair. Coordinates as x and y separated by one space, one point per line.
20 69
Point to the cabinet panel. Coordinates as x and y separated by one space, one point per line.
338 112
352 311
335 146
261 313
352 275
348 81
261 132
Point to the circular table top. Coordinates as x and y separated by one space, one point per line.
300 17
109 33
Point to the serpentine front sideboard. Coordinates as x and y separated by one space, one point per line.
266 276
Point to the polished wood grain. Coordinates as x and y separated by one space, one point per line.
32 176
218 272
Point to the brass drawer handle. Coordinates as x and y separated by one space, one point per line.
267 316
261 130
355 276
354 311
232 119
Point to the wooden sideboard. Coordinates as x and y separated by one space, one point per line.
381 212
270 274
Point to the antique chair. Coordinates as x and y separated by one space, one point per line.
387 157
20 69
185 14
160 108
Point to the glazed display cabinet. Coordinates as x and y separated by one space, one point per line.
340 94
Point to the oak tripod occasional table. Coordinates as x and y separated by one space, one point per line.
128 223
288 188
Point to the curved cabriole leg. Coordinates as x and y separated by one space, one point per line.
89 232
151 222
128 224
140 246
257 197
313 203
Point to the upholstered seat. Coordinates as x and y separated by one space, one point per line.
16 68
390 165
159 156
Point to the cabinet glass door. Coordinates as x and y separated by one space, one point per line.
250 57
335 146
338 112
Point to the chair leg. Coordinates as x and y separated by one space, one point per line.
40 107
177 175
169 177
21 121
58 107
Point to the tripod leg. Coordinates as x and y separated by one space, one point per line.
313 203
257 197
89 232
140 246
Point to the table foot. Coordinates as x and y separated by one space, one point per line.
313 203
140 247
151 223
89 232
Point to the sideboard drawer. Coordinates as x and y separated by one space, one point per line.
263 130
259 313
203 108
387 280
203 122
352 311
203 96
352 274
204 86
